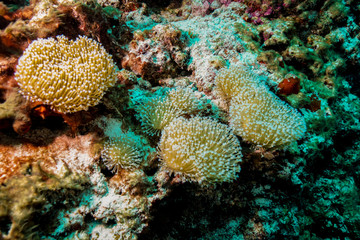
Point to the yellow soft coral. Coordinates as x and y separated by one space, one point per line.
256 114
229 81
200 149
121 153
157 112
260 117
68 75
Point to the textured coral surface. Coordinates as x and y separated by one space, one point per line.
199 89
70 76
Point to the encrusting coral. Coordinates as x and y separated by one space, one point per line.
15 110
27 200
156 53
200 149
70 76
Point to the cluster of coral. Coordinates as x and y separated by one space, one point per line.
132 119
257 114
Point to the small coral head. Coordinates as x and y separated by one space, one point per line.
229 81
70 76
200 149
260 117
121 153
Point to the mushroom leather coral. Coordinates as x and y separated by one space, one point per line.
156 113
229 81
200 149
121 153
68 75
260 117
256 114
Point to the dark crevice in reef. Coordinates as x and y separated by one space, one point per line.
163 3
152 168
185 215
3 23
167 213
8 136
345 139
52 122
353 77
5 224
15 4
105 170
2 96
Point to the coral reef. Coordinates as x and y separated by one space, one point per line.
157 52
156 158
14 110
25 198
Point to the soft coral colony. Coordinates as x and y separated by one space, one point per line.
205 89
71 76
68 75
